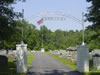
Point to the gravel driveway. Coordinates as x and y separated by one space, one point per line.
46 65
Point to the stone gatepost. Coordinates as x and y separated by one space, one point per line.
83 58
21 58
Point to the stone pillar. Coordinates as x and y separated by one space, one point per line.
83 58
21 58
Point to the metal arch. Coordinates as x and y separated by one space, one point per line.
41 14
81 22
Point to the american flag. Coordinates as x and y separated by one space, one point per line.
40 21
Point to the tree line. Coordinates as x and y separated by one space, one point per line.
58 39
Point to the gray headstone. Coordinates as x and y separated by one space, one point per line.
3 60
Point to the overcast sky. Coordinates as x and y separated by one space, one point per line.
72 7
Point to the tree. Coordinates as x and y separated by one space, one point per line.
7 18
93 16
45 36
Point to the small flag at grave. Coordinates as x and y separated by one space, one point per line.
40 21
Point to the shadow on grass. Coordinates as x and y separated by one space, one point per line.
92 73
91 64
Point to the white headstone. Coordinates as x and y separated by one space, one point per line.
42 50
21 58
83 58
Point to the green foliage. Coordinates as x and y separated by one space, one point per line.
7 18
51 40
8 24
93 16
94 13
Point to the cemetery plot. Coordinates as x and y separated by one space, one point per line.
70 53
10 68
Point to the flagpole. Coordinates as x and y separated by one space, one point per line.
42 35
22 42
39 23
83 29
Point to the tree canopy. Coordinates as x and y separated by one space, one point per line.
93 16
7 18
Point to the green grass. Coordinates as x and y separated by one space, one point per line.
30 58
92 73
65 61
11 68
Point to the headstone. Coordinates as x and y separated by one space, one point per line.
3 60
2 52
55 52
96 59
63 53
83 58
42 50
72 53
50 51
21 58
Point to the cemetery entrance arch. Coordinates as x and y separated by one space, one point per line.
63 16
82 60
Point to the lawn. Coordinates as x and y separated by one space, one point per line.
30 58
11 68
65 61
